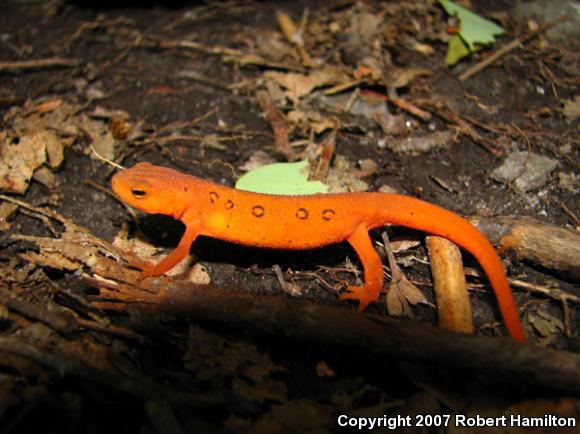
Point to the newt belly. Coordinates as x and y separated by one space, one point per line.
303 222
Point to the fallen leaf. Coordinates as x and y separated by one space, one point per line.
401 294
299 85
6 211
572 108
342 178
323 370
403 77
256 160
147 253
48 106
101 136
281 178
569 180
456 50
44 176
290 288
19 158
55 148
545 323
415 145
401 291
474 32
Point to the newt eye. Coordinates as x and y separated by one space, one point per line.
138 193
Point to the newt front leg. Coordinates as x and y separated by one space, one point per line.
181 251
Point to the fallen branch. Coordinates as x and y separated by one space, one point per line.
543 244
525 366
45 353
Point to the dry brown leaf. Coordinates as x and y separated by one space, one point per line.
367 167
545 323
323 370
569 180
401 294
324 124
403 77
299 85
271 47
28 118
290 288
388 189
19 158
572 108
45 118
47 106
343 178
44 176
415 145
55 148
256 160
147 253
404 245
6 211
401 291
101 136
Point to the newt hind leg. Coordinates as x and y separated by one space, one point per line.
373 269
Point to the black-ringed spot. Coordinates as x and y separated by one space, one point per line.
138 193
258 211
213 196
229 204
328 214
302 213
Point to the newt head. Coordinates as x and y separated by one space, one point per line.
153 189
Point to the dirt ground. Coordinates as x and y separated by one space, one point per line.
361 91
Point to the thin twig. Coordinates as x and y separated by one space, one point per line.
50 62
106 160
507 48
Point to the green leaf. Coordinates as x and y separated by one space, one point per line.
281 178
473 29
456 50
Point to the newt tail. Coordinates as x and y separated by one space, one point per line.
417 214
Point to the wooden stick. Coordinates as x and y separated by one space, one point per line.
453 307
51 62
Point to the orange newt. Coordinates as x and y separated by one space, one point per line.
303 222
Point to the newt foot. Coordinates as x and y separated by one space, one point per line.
361 294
